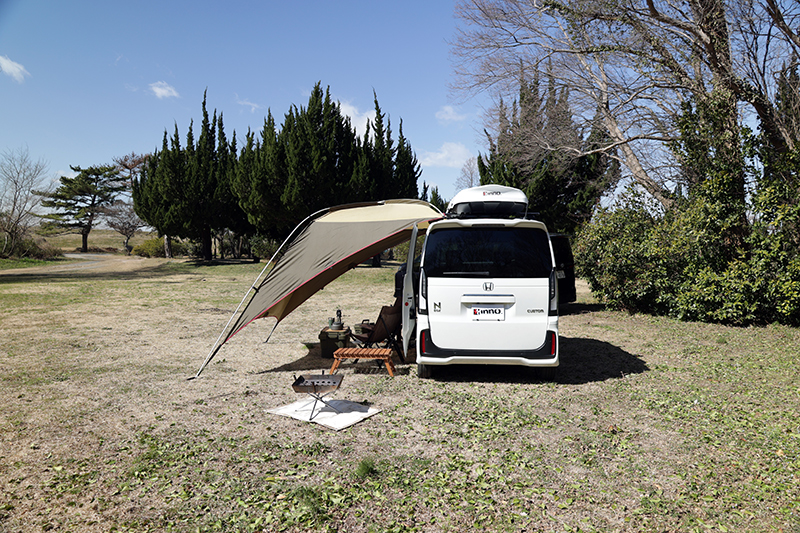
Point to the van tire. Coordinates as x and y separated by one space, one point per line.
424 371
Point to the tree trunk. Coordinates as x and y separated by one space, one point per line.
84 242
207 254
167 247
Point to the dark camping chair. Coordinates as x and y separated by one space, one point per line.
386 330
376 342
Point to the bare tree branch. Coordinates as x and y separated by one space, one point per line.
637 59
19 177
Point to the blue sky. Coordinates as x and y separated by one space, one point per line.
85 81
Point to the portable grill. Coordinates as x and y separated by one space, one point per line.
318 386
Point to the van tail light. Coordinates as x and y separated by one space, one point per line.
422 304
553 341
422 338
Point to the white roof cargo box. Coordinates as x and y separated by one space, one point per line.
488 201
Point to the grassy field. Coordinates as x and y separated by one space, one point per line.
102 239
651 425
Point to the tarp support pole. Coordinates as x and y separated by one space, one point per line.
253 287
270 333
218 344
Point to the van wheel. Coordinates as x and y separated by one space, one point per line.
424 371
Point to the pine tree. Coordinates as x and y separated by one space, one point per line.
79 202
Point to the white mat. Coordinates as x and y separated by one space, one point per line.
351 412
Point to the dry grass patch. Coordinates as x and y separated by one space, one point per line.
652 424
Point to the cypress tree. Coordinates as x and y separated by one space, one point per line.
185 192
406 168
382 154
158 187
561 188
361 186
147 200
320 155
199 210
260 179
229 216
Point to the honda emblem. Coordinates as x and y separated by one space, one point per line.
488 286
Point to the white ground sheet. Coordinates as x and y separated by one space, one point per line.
351 412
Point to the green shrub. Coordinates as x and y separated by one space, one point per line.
190 248
155 248
400 251
263 247
32 248
763 287
675 264
628 258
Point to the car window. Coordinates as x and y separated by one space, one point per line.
562 250
488 252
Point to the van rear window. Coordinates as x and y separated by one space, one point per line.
488 252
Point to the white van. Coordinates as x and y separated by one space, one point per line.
487 286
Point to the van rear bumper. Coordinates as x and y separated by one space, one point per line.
545 355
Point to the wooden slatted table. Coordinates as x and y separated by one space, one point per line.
381 354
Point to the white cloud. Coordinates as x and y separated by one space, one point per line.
248 103
357 118
13 69
163 89
449 114
451 155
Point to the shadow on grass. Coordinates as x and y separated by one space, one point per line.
582 361
580 308
91 268
314 362
590 360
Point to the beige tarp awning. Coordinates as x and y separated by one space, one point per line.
322 248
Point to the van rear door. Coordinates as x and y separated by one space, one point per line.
488 285
409 298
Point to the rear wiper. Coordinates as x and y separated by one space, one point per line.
481 274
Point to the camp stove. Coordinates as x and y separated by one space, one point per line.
318 387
